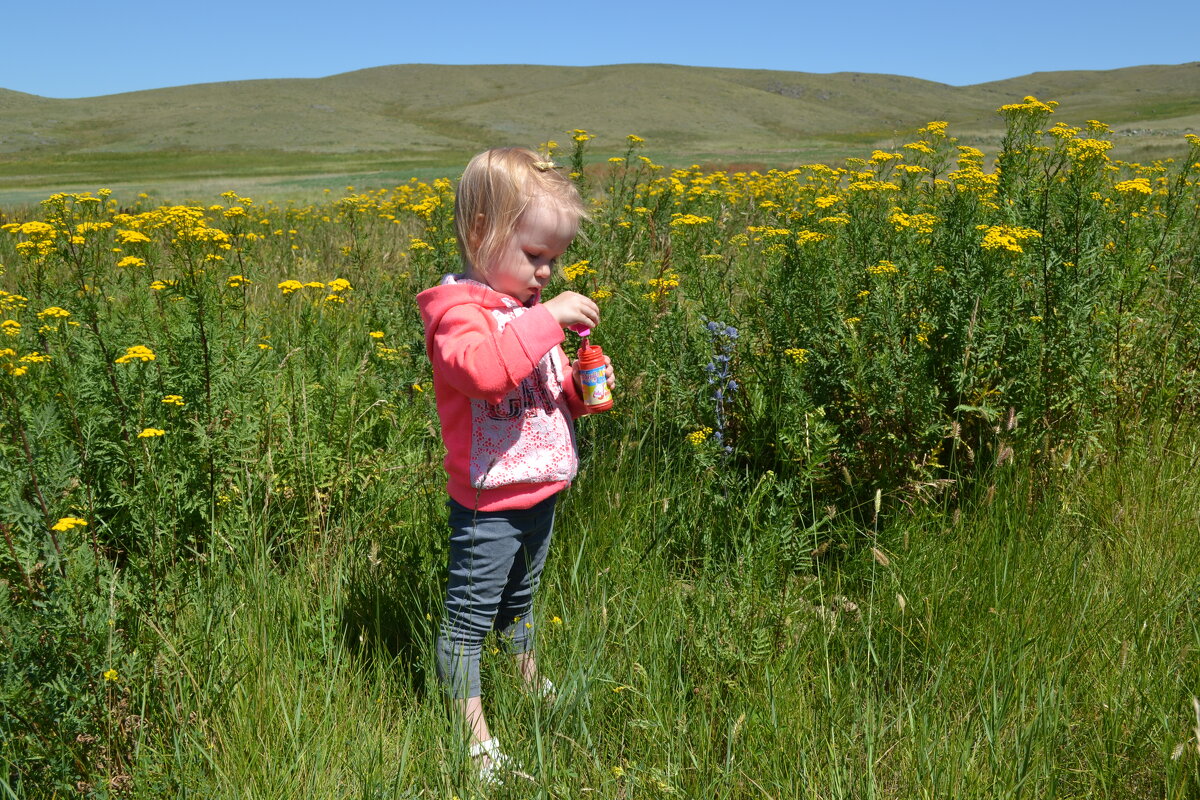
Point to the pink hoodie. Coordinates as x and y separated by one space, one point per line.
505 395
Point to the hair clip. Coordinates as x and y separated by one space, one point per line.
544 166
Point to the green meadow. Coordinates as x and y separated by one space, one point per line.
898 497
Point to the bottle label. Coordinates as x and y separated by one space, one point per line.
595 386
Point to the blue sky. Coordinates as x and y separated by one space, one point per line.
81 49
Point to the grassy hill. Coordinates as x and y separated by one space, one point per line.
288 135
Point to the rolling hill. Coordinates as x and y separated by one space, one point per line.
430 117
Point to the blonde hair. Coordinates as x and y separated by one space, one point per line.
495 190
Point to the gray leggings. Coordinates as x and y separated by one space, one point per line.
496 560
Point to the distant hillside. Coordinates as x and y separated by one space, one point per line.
425 113
424 107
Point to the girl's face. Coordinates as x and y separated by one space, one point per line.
522 267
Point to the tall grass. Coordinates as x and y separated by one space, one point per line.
897 500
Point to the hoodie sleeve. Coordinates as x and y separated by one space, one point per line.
482 362
574 399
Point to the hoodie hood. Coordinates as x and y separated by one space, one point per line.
455 290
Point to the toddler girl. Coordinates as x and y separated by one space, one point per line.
506 396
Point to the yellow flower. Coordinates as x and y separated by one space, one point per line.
11 327
699 437
339 285
136 353
132 237
173 400
883 268
1006 237
798 354
159 285
556 620
150 433
376 334
54 311
289 286
1031 106
662 286
921 223
1084 150
111 675
1134 187
689 219
66 523
578 269
237 281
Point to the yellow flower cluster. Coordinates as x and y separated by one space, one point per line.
150 433
1133 187
336 288
661 287
18 366
136 353
39 238
921 223
132 237
67 523
1006 237
699 437
12 302
173 400
688 219
1083 151
798 355
54 311
1031 106
578 270
884 267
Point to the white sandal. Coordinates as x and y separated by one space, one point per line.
496 765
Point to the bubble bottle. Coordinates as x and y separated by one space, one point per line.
592 373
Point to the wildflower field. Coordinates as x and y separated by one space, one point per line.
898 497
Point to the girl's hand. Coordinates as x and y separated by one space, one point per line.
572 308
609 376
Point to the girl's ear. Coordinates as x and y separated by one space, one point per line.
478 226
